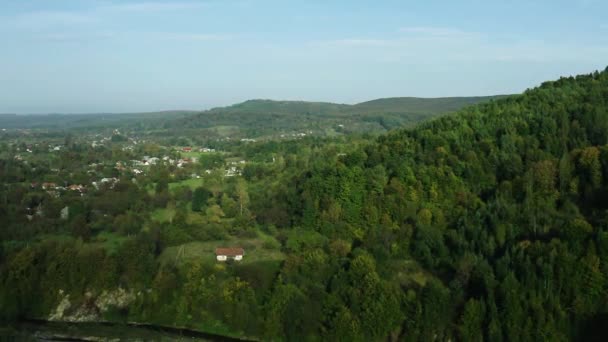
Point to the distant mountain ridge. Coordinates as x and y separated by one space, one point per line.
388 104
259 117
262 116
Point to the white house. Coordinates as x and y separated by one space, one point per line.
235 253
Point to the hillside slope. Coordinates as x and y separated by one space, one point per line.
419 104
504 205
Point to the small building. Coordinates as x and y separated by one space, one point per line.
48 186
235 253
76 187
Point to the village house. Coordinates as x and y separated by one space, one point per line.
111 182
136 163
235 253
151 160
76 187
182 162
232 171
48 186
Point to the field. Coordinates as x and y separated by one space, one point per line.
256 249
192 183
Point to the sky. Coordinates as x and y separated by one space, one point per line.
92 56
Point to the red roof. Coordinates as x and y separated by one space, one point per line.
230 251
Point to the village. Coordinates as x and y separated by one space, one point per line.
197 192
182 163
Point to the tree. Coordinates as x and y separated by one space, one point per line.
471 328
242 196
199 199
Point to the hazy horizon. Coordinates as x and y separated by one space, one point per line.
148 56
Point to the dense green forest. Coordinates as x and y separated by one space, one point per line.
489 224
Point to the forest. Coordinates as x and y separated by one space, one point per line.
490 223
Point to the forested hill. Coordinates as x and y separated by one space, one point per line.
504 207
419 105
267 116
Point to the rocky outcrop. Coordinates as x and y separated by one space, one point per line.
92 307
119 299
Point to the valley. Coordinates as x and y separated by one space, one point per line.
401 219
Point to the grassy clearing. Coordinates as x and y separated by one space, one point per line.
163 214
110 241
225 130
191 154
167 214
255 250
192 183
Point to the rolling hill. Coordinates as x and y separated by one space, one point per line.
256 118
262 117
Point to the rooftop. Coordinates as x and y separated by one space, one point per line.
229 251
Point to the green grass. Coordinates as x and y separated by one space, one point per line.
166 215
225 130
162 214
192 183
110 241
205 251
191 154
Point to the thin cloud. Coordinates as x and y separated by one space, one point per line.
409 37
135 36
64 37
360 42
432 44
431 32
153 6
46 19
40 20
193 36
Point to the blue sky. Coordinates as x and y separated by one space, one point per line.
128 56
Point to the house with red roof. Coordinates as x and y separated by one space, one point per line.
225 253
